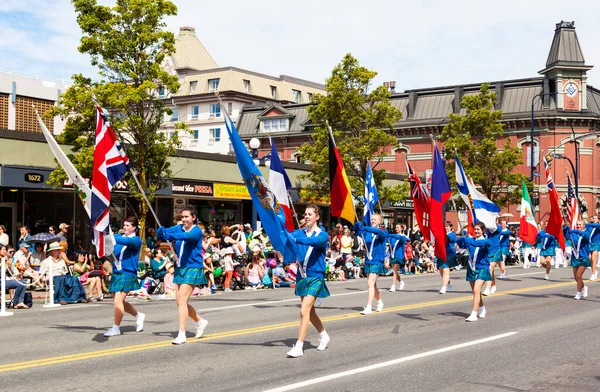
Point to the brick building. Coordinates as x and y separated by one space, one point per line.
565 111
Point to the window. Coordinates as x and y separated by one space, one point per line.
229 108
246 86
175 115
297 95
309 97
215 134
162 91
536 154
193 86
213 85
275 125
195 134
273 92
215 110
195 112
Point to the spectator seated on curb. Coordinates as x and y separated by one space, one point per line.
83 269
282 275
168 285
37 256
21 261
67 289
254 272
12 283
270 280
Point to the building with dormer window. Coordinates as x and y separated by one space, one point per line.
196 103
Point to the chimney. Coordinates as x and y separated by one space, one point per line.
412 103
458 94
499 89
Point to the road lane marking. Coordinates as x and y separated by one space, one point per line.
393 362
72 307
273 302
248 331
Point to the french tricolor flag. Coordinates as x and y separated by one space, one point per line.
280 183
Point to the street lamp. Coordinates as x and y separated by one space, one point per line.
532 158
254 146
561 156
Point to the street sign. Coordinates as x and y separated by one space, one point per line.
536 174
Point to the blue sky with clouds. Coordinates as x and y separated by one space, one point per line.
417 44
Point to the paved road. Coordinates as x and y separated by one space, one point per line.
535 337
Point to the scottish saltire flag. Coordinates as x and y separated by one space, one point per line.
482 208
266 203
371 196
572 204
110 165
420 198
554 226
280 183
440 193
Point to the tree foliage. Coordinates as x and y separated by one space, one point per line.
475 137
128 45
360 121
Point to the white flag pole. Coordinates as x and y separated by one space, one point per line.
3 312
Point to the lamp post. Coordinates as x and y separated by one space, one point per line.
561 156
532 148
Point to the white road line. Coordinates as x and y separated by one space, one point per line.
63 307
388 363
529 273
273 302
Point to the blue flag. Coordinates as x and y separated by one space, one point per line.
268 207
371 196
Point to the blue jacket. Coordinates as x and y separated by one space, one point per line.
478 251
581 242
505 239
545 240
316 244
494 238
397 242
127 251
375 242
594 230
188 244
450 244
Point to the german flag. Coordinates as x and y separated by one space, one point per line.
340 195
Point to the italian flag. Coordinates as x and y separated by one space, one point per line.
528 227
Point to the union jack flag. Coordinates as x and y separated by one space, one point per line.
110 165
420 198
572 204
555 220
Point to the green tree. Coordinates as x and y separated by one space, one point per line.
128 44
475 138
360 121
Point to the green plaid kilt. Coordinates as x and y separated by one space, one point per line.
192 276
581 262
378 269
313 286
594 246
478 274
548 252
450 262
399 261
124 283
495 255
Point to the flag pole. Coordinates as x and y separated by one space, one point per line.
137 181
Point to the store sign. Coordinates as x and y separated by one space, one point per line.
408 204
120 186
231 191
571 94
34 178
178 205
192 188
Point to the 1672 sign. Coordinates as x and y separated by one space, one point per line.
34 178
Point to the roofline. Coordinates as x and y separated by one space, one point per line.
508 82
281 78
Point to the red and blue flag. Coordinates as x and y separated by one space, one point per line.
110 165
440 193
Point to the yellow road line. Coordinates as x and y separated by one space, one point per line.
247 331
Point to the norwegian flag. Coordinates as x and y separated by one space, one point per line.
110 165
421 201
554 226
572 204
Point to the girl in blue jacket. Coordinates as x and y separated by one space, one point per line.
548 245
397 242
375 242
580 258
444 267
478 269
189 269
593 228
124 277
311 244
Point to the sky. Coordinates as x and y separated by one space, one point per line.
418 44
